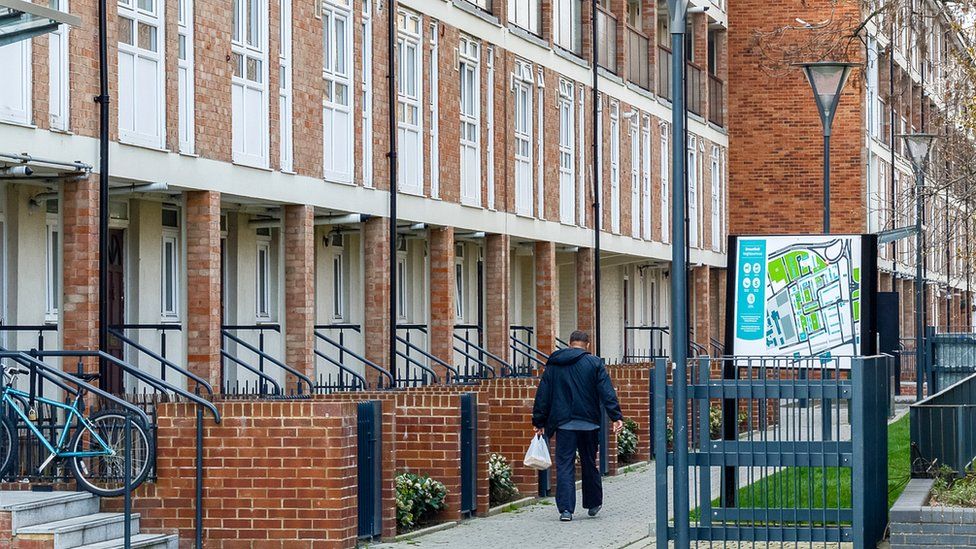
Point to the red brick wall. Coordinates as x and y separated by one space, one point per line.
633 384
203 285
585 295
299 250
376 291
442 311
546 295
497 293
79 303
277 474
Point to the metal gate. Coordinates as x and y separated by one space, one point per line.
369 470
949 358
469 454
772 475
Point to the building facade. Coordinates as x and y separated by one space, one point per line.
250 179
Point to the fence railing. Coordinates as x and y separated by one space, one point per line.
716 100
526 359
337 352
664 72
606 37
645 343
949 357
638 68
258 362
694 89
369 469
738 459
943 429
413 360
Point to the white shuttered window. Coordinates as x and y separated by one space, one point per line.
249 84
337 103
141 95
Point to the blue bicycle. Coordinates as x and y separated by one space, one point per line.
96 449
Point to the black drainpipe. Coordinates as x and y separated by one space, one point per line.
103 103
392 156
597 217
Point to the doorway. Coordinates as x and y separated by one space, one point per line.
111 376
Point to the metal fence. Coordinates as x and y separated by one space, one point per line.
369 471
950 357
469 454
747 462
943 429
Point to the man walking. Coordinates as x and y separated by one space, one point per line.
574 388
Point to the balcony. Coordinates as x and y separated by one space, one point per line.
664 72
606 36
716 102
693 89
638 70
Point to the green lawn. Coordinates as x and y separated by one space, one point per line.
805 487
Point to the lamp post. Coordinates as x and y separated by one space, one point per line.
919 146
827 78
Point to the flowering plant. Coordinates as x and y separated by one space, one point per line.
627 441
417 498
501 488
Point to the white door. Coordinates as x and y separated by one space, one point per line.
15 94
249 100
141 73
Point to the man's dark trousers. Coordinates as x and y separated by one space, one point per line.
567 443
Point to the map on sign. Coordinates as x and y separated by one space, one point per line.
798 296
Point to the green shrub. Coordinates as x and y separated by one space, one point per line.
951 491
501 488
627 441
418 498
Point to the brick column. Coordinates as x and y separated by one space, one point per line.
546 297
203 285
376 291
497 271
442 312
79 230
585 292
702 304
299 245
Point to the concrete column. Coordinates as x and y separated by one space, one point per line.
376 291
585 291
299 251
546 297
497 294
203 285
79 234
442 311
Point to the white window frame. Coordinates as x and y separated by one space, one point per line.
635 157
338 285
567 28
19 55
367 91
52 269
262 289
154 18
646 160
540 126
581 160
490 125
469 69
403 300
522 120
286 146
244 51
716 198
459 301
567 153
410 161
59 84
524 14
434 106
337 69
615 167
665 182
169 280
186 80
693 216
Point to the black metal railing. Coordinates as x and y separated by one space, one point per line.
527 360
38 342
716 100
645 343
638 68
264 384
167 368
412 368
942 428
336 338
474 360
716 348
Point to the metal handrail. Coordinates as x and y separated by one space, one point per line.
382 371
562 344
362 381
478 349
429 356
137 373
162 360
252 369
530 348
302 377
520 352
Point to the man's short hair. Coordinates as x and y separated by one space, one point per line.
579 335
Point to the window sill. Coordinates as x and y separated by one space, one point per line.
411 193
343 182
289 172
189 154
27 125
570 56
252 166
476 11
641 91
51 319
170 319
527 35
143 146
61 131
473 205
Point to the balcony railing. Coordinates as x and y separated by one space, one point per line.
693 89
638 70
716 102
606 35
664 72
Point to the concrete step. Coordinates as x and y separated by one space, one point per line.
32 508
78 531
141 541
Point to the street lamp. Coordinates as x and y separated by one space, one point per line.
827 78
919 146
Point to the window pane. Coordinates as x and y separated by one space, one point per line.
125 31
340 46
254 69
237 21
327 41
147 37
253 23
146 5
182 48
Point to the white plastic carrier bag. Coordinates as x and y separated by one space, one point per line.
537 457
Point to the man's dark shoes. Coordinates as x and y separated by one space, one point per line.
594 510
565 516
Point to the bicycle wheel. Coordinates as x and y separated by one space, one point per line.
8 446
104 475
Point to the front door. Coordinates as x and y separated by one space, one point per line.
111 376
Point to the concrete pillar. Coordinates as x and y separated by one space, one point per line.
442 294
585 291
376 291
497 294
203 285
546 297
79 302
299 251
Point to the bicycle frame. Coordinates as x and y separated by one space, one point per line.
72 412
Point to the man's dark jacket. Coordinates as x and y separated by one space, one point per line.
574 386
